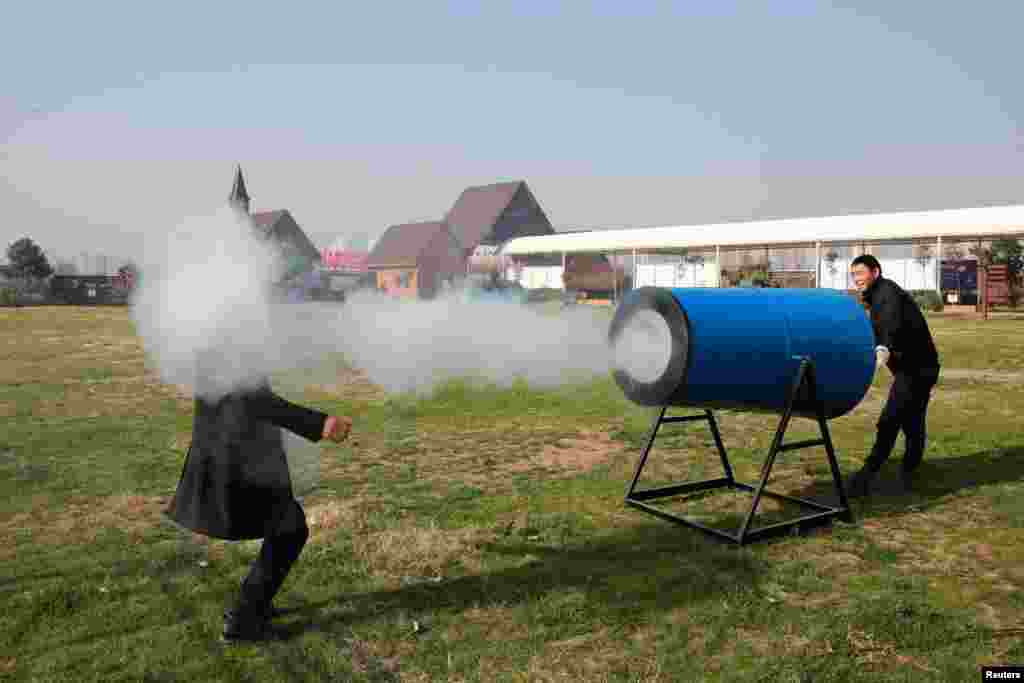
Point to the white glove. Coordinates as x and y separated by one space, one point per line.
881 356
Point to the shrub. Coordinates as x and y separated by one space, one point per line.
1015 293
8 296
544 294
928 300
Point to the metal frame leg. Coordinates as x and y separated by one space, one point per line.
803 381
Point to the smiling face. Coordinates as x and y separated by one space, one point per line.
863 276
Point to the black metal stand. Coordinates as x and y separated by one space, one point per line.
803 390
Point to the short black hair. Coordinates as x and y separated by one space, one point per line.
867 260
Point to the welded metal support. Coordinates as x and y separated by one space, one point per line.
804 389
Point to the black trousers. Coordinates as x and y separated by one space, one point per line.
905 410
278 553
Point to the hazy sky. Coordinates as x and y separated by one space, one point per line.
118 119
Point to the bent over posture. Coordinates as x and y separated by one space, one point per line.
235 485
905 346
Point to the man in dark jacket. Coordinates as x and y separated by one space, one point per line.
236 485
905 346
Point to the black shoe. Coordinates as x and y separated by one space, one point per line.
245 625
907 481
859 485
269 613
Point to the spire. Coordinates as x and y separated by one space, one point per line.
239 198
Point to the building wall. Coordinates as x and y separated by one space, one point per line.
537 277
684 274
441 261
401 282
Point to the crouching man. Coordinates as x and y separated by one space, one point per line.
235 485
905 346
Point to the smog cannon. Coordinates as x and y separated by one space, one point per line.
806 353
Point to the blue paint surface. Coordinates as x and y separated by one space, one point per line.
745 347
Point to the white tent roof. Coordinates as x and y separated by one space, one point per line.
969 223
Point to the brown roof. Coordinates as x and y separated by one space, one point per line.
266 219
478 209
267 224
401 245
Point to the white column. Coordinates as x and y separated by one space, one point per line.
817 265
634 269
938 265
615 280
718 266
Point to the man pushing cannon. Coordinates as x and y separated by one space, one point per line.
905 346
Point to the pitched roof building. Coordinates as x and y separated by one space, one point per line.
279 226
415 259
488 215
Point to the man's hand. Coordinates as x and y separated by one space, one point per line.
881 356
337 428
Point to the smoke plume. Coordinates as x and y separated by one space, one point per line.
209 322
412 345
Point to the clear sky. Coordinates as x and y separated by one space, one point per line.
119 118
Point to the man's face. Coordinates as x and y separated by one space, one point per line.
863 276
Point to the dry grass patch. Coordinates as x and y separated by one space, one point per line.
331 515
841 561
867 650
494 624
350 384
372 657
958 547
793 643
997 376
579 454
593 656
77 523
115 397
416 551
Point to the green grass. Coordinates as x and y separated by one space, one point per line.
479 533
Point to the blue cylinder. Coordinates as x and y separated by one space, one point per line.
740 348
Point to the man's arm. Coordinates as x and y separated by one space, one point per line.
890 319
267 406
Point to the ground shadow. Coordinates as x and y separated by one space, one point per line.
935 480
650 566
666 565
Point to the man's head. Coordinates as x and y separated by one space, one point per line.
865 270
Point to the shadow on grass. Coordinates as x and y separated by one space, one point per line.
649 567
936 479
652 566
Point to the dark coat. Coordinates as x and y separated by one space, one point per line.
236 472
900 327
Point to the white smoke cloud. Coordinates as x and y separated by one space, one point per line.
203 308
406 345
207 320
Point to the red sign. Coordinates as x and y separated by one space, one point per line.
347 261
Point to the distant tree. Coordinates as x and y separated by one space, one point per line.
28 260
1011 253
830 259
983 255
1008 252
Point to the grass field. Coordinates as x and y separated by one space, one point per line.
479 534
